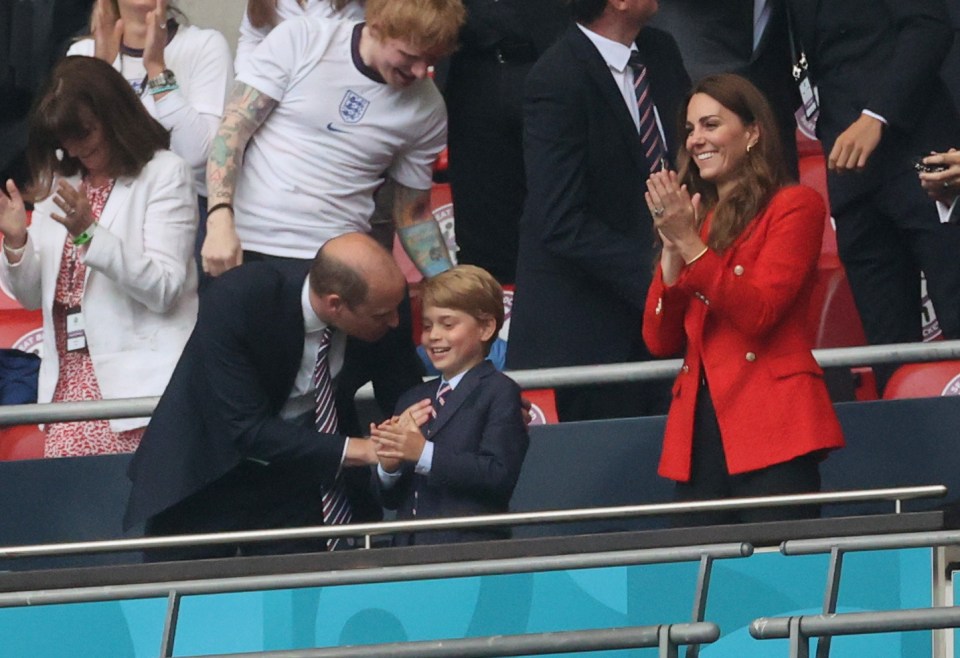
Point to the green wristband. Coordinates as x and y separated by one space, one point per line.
83 238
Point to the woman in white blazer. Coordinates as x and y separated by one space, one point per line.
107 256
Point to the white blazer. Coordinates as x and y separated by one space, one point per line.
140 299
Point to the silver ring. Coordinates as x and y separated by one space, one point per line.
163 26
658 212
71 212
946 186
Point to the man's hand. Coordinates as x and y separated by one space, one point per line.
360 452
855 145
387 464
943 186
221 249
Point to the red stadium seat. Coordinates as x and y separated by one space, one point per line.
544 406
833 317
21 442
924 380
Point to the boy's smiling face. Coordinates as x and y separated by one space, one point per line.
454 340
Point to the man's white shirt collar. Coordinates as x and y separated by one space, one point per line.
614 53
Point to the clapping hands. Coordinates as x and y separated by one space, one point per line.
399 439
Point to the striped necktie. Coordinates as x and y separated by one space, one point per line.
650 141
442 394
336 505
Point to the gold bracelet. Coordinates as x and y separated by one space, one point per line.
698 256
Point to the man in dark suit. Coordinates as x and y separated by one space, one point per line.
586 236
232 444
882 104
747 37
498 45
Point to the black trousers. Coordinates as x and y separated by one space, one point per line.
710 479
885 239
485 102
252 496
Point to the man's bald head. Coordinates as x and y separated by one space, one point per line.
356 286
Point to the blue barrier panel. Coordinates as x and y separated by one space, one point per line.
766 584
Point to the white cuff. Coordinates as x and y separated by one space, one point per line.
425 463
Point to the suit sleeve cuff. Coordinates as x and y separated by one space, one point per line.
425 463
388 480
876 116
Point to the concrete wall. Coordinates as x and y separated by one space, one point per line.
223 15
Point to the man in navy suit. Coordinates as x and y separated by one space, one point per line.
232 444
586 236
876 64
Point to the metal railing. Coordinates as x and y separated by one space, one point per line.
22 414
895 494
175 591
666 637
829 623
799 630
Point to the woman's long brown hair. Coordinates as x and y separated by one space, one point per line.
82 90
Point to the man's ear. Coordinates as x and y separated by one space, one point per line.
328 307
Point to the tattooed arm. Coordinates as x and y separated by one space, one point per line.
419 233
246 110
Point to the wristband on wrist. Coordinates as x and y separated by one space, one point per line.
698 256
218 206
160 90
84 237
165 79
14 251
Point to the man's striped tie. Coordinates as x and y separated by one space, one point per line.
650 141
336 505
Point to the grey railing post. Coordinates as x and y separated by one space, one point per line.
170 624
799 643
830 596
667 648
700 598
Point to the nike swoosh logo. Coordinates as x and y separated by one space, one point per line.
332 128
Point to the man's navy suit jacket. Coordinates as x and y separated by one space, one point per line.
586 235
885 56
223 402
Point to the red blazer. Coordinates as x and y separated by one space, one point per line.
741 315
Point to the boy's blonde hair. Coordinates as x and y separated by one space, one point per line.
469 289
433 25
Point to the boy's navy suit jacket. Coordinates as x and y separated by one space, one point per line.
479 440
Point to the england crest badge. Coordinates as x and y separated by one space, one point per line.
353 106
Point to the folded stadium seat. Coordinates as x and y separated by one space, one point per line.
924 380
833 317
21 442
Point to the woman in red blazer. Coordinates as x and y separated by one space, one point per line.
750 412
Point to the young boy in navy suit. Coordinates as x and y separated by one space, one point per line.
466 459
